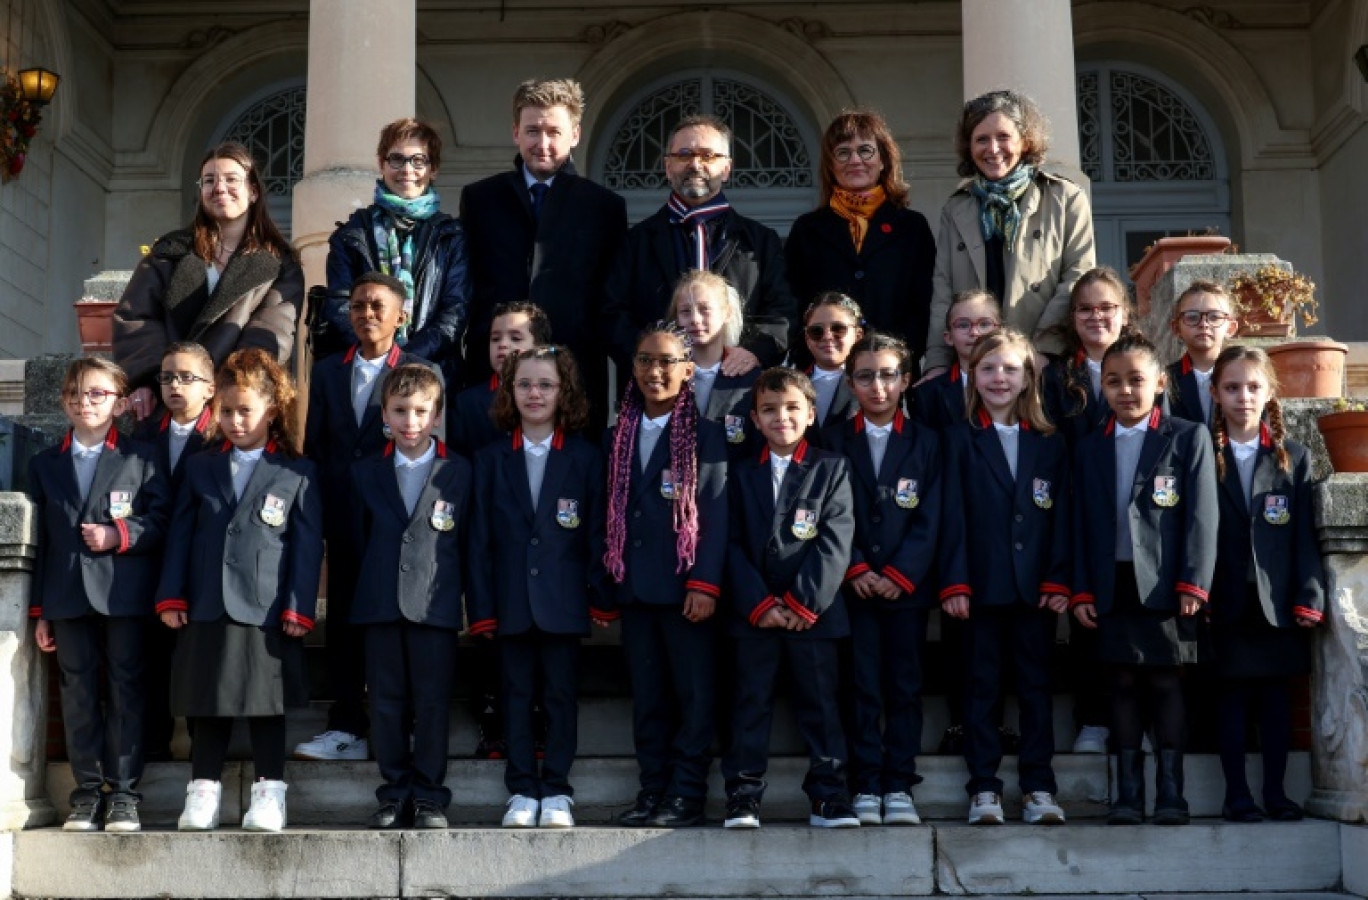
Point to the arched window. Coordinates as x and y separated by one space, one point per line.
773 172
1154 157
272 128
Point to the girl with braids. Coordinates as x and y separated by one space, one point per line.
1269 585
1145 515
536 579
667 477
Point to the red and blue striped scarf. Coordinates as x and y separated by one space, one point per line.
698 218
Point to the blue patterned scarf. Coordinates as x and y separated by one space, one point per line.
998 212
397 216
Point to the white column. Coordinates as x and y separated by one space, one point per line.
1026 45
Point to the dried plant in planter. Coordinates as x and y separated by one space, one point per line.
1271 296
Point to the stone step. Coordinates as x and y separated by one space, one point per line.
342 793
775 861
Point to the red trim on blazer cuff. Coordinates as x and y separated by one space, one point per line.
799 609
604 615
856 571
172 604
703 587
1307 613
951 590
123 536
482 626
35 612
899 579
765 606
290 615
1184 588
1082 600
1050 587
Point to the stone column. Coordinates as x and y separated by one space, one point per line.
1339 704
1027 45
23 677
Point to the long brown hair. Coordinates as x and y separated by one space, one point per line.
572 403
856 123
261 234
1273 412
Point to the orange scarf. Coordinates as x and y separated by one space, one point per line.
857 209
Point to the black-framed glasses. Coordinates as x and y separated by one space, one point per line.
964 326
397 161
179 378
866 377
645 362
865 152
1194 317
684 157
817 332
96 396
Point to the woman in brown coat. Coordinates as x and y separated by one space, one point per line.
1010 228
228 282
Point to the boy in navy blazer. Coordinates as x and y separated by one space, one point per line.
414 507
793 523
344 426
102 506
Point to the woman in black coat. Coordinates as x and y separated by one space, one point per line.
863 241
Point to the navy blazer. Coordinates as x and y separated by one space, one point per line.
411 568
897 510
69 579
768 565
1184 396
729 405
1276 534
649 557
1005 540
1073 418
939 403
470 425
1174 547
223 558
538 569
157 433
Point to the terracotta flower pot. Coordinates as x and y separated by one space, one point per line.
1346 439
95 321
1257 322
1161 256
1309 368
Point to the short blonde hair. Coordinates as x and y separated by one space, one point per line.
702 278
546 93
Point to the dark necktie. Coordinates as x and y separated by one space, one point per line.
538 198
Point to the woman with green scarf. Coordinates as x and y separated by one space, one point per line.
1010 228
404 233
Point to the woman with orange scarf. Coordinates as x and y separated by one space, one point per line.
863 241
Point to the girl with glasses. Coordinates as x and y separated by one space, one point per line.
1204 318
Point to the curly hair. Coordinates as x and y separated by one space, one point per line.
1025 115
538 324
1030 408
572 403
255 369
1273 411
853 124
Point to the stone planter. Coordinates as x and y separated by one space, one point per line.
1258 322
1161 256
1312 368
1346 439
95 321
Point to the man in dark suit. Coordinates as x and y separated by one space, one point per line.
698 229
540 232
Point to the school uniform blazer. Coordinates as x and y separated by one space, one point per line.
538 569
891 539
729 405
1184 396
470 427
1005 540
1174 547
410 569
1284 552
157 433
939 403
69 579
768 565
223 559
1074 420
649 554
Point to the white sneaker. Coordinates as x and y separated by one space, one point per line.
333 745
985 809
899 809
1091 739
201 806
522 812
1040 808
267 812
555 812
868 809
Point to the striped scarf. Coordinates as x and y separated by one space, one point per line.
999 215
698 217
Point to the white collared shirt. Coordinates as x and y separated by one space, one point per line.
529 179
85 459
1010 438
649 435
364 373
1246 458
240 466
412 474
778 466
1203 380
1095 376
704 379
1130 440
534 457
877 436
176 440
825 382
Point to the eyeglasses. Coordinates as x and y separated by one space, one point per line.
865 152
817 332
231 182
684 157
1104 311
96 396
964 326
866 377
179 378
523 386
397 161
645 362
1194 317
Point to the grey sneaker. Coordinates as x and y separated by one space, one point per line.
985 809
868 809
899 809
1040 808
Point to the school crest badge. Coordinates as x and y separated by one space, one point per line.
120 504
1165 490
1040 493
273 511
667 484
442 518
804 524
567 513
386 431
906 494
736 428
1275 510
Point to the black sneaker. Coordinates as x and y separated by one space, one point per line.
835 813
389 815
427 814
86 813
121 814
952 742
743 811
678 812
491 749
642 813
